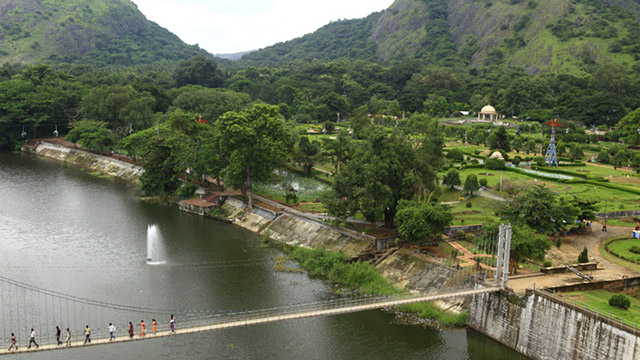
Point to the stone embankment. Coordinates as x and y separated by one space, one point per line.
406 269
94 162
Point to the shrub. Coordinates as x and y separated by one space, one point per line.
620 301
187 191
469 237
547 263
584 256
558 242
494 164
460 234
455 155
635 249
483 182
469 204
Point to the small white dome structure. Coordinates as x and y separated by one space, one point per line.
488 110
497 155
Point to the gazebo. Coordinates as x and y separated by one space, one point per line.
488 110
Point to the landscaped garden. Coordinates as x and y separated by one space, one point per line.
627 249
598 301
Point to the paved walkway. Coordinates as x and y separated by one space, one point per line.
571 247
467 256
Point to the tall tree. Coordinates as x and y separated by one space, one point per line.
499 139
419 220
539 208
199 70
452 178
471 184
307 153
383 170
338 149
254 141
90 134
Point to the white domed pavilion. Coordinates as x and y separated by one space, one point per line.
488 110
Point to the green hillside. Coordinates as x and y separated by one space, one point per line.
557 36
339 39
99 32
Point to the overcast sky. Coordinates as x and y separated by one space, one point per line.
230 26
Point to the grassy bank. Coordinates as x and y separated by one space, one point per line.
366 279
614 259
599 299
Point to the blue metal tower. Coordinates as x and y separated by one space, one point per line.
551 157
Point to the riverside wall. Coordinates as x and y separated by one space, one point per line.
543 327
293 230
87 160
419 272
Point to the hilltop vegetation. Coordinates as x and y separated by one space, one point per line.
98 32
557 36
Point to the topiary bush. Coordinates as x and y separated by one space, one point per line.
547 263
620 301
483 182
584 256
469 204
469 237
460 234
495 164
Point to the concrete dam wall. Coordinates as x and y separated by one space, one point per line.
544 328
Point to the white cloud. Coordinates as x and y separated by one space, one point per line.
233 26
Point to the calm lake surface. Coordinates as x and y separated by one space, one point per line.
66 230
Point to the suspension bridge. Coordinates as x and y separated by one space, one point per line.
24 306
212 322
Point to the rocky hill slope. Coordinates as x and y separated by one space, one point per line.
538 36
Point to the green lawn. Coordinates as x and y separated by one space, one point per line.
481 211
622 249
607 171
622 222
609 199
614 259
599 299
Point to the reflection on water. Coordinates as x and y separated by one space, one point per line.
65 230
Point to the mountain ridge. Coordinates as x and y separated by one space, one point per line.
100 32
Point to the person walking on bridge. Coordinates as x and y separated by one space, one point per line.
87 335
13 341
154 326
68 339
172 324
143 328
32 340
58 331
130 329
112 329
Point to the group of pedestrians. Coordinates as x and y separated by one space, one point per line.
87 333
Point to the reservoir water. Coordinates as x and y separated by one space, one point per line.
78 234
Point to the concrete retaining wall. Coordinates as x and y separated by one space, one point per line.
451 231
293 230
103 164
628 285
544 328
419 272
619 214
